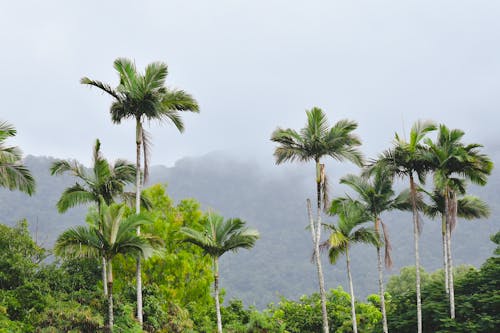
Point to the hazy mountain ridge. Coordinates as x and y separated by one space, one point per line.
273 201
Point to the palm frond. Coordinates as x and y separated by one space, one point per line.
73 196
103 86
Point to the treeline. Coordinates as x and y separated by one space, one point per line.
67 296
156 260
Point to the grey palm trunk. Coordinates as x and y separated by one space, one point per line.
138 183
445 253
351 289
316 236
417 254
381 280
449 262
110 296
216 295
104 279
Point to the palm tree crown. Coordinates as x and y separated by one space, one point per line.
219 237
13 174
316 140
116 235
103 180
351 215
145 97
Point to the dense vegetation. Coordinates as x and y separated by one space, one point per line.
65 296
95 282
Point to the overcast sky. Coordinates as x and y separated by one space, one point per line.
252 66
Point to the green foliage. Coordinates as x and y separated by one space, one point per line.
179 279
477 297
304 316
19 255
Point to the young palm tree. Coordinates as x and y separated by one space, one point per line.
351 215
217 238
410 159
314 141
115 236
454 163
104 181
376 196
144 97
13 174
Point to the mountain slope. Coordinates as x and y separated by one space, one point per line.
273 201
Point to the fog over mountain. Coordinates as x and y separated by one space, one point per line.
271 199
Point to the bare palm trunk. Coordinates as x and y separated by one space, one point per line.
417 254
381 280
319 268
449 263
351 288
445 254
450 274
104 279
138 142
110 297
216 294
320 178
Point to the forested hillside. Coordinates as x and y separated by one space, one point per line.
271 199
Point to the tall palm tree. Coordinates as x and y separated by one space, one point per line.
217 238
376 196
13 174
313 142
454 163
144 97
115 236
469 207
348 231
407 159
104 180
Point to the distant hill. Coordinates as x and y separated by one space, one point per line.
273 201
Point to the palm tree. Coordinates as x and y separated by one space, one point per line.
410 159
116 235
314 141
351 214
217 238
454 163
376 196
13 174
104 180
469 207
144 97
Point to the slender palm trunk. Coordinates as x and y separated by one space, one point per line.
138 142
351 288
316 240
445 253
450 274
381 280
449 263
104 279
216 294
417 254
319 268
110 297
